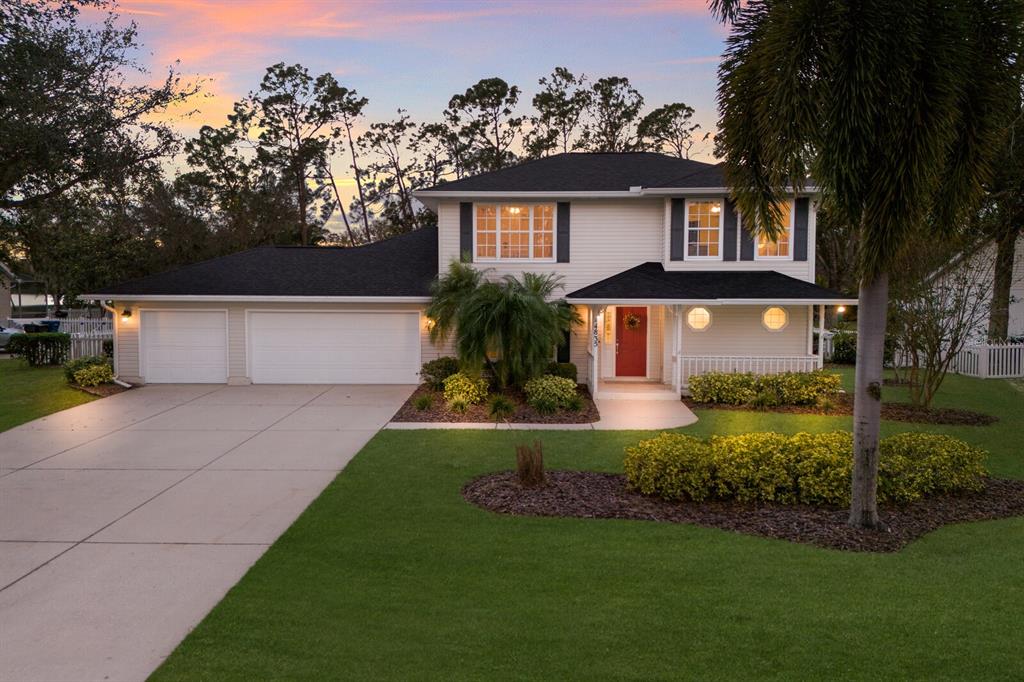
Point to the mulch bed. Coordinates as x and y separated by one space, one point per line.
103 390
524 414
593 495
897 412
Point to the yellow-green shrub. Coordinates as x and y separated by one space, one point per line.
94 375
672 465
787 388
806 468
548 393
463 387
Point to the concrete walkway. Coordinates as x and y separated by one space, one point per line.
616 415
125 520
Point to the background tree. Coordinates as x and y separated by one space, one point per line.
394 175
669 129
483 119
69 115
899 126
614 110
560 106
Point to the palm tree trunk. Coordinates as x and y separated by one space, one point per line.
867 400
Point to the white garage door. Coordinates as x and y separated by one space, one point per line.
184 346
334 347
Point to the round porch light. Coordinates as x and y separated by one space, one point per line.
698 319
774 318
841 309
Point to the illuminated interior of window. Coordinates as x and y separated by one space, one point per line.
774 318
515 231
698 319
704 224
780 247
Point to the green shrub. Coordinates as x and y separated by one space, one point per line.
94 375
673 466
461 386
844 348
804 468
566 370
458 404
501 407
576 403
434 372
549 393
423 402
915 465
108 348
764 390
71 367
44 348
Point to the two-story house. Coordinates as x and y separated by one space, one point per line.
668 281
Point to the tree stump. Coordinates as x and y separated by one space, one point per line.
530 464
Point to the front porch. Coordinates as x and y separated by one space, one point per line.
650 351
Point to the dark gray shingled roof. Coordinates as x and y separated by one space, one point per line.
650 281
580 172
401 266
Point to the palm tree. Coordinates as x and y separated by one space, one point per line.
514 319
895 109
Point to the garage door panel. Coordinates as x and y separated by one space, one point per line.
184 346
334 347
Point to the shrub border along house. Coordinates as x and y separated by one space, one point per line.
765 390
801 469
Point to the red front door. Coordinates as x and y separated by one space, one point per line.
631 341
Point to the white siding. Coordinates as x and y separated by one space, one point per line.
737 330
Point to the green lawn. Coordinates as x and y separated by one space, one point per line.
390 575
27 393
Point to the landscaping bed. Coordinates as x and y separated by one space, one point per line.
102 390
842 405
593 495
438 411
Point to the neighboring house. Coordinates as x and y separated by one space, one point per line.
980 268
649 247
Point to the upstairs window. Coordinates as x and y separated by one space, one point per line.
703 229
780 248
515 232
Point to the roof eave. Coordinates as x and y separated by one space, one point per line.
217 298
711 301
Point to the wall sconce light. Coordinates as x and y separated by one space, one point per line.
126 315
430 324
841 309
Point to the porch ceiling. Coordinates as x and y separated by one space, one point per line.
651 283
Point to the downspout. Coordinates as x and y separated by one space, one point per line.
113 314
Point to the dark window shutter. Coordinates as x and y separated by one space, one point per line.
563 348
677 230
562 244
800 229
466 232
746 244
729 231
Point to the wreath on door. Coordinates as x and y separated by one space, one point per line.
631 321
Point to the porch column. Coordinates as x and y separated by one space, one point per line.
594 351
821 335
677 347
810 330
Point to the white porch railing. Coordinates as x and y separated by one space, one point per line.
990 361
693 365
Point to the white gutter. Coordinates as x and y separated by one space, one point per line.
258 299
714 301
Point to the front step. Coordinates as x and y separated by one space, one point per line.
654 392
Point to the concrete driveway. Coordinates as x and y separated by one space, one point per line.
125 520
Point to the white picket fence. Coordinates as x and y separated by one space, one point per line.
83 345
694 365
91 326
990 361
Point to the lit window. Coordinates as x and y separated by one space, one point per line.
774 318
703 228
780 247
515 231
698 319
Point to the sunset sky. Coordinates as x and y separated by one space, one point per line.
416 55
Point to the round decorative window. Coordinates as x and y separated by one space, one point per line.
698 319
774 319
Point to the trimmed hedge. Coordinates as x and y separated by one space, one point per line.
805 468
72 367
434 372
39 349
460 388
764 390
548 393
94 375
